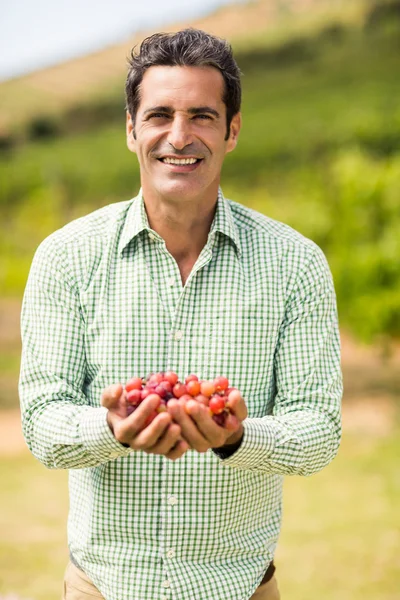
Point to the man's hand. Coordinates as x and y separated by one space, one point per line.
160 436
198 428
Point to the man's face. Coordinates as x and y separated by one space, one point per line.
179 132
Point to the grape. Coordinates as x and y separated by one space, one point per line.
134 384
160 390
220 418
216 404
171 377
216 394
221 384
179 389
145 392
134 396
193 387
207 388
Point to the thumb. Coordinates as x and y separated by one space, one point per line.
111 395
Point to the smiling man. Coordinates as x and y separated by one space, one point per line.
181 279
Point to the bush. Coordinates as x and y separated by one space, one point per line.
43 128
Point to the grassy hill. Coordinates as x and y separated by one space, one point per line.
320 150
99 77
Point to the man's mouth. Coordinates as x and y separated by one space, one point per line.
180 161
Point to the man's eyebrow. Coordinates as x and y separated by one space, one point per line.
204 109
195 110
155 109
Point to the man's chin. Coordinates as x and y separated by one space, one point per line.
179 190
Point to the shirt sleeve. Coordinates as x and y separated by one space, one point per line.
303 434
60 427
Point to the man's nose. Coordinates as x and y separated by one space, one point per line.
179 134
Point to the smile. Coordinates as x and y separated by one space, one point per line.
180 161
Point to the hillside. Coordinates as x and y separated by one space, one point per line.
319 150
102 74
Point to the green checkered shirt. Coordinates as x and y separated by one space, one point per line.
104 302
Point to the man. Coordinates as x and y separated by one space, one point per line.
182 279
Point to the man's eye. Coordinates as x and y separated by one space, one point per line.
158 116
202 117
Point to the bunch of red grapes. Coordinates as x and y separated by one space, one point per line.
216 394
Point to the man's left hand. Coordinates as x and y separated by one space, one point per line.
200 430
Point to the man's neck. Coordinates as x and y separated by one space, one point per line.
183 226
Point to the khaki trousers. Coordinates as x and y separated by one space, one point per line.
77 586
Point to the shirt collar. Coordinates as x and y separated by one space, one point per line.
223 222
137 221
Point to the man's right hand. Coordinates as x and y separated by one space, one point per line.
161 436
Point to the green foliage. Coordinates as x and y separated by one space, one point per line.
319 150
43 128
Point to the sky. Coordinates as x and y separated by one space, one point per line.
39 33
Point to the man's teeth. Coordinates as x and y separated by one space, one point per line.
180 161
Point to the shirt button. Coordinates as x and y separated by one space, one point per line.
178 335
171 553
171 281
165 598
166 583
172 500
152 236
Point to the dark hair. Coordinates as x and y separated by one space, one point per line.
186 48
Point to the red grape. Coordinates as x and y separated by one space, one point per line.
171 377
134 396
221 384
193 387
216 404
134 384
179 390
145 392
207 388
220 418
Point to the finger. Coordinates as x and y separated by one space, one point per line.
190 431
150 436
127 429
215 434
178 450
167 441
231 423
111 395
238 407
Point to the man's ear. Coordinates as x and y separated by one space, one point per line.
236 124
130 138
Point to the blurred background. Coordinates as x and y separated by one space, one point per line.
319 150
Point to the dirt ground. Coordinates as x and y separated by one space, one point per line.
370 405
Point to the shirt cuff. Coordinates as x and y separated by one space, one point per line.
98 438
256 446
226 451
